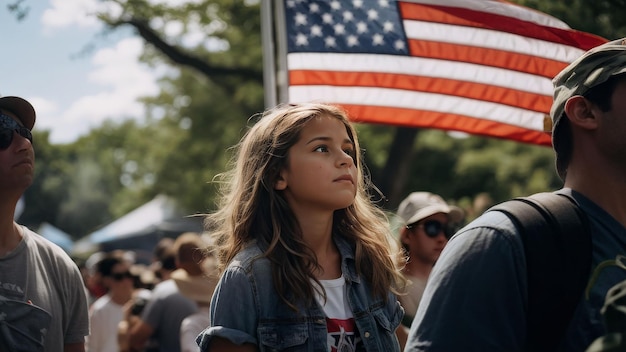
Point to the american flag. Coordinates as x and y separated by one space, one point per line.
478 66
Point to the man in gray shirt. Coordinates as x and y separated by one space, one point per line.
41 289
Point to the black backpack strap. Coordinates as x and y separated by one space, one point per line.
557 246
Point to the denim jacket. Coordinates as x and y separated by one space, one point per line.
245 308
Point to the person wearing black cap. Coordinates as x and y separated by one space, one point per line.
476 298
43 305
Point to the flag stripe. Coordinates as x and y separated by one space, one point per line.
497 7
485 56
462 17
491 93
425 101
480 38
422 67
390 115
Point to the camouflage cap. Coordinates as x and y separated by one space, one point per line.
594 67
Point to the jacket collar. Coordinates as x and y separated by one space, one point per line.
347 249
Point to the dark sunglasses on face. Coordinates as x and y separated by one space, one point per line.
121 276
432 228
7 128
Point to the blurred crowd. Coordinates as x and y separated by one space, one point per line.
160 306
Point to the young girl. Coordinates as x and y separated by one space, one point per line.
310 262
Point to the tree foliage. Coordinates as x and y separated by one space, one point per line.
604 17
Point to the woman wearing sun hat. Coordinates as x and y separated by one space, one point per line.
427 224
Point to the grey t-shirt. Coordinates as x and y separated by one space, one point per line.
476 296
164 312
40 272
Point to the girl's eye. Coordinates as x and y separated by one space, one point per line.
350 152
321 148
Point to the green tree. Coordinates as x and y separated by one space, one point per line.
109 175
604 18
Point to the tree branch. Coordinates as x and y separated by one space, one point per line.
178 56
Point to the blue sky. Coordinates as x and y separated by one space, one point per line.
71 92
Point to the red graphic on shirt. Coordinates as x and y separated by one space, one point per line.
343 335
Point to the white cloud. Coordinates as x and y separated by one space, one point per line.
123 79
65 13
116 78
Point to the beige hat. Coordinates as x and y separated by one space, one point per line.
21 108
420 205
197 288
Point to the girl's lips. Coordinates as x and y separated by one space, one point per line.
345 178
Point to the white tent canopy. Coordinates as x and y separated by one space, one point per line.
140 228
157 210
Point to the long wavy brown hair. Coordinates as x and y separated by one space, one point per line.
249 208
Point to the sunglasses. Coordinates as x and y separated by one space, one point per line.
432 228
121 276
7 126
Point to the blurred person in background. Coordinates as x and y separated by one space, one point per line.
107 312
144 281
92 279
167 307
198 288
164 259
427 224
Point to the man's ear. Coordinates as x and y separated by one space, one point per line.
581 112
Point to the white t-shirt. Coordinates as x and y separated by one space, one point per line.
191 327
104 317
343 335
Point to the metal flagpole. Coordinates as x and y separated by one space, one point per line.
269 68
282 79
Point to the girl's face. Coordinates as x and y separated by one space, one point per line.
320 174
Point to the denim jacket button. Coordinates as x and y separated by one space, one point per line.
367 334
